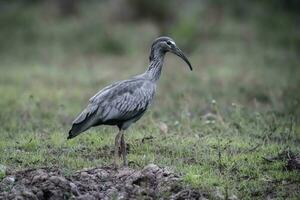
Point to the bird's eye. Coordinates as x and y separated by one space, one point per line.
169 43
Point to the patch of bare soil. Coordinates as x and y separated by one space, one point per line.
292 159
152 182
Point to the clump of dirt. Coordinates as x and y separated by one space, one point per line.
292 159
151 182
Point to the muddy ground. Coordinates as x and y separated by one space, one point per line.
152 182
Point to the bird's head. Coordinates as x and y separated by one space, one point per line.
163 45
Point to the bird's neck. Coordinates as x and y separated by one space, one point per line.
155 66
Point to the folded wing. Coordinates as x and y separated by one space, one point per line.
115 104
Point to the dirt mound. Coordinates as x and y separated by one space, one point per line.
152 182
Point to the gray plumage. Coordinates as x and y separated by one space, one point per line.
120 104
125 102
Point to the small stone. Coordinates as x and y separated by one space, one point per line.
151 167
163 127
58 180
11 179
8 180
35 179
84 174
54 179
124 172
74 189
208 117
102 173
40 194
29 195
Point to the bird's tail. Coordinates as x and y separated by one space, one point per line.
79 128
84 121
75 130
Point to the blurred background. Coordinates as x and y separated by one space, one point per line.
55 54
240 104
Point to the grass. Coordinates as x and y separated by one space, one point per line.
249 89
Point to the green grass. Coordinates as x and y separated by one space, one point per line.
251 87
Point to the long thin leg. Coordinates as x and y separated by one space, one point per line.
124 150
117 146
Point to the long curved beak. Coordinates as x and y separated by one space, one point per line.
179 53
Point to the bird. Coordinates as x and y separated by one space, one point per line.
125 102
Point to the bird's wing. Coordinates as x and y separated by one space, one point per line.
120 101
84 120
94 103
98 95
88 111
125 100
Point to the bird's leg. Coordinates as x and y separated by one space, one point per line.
117 146
124 150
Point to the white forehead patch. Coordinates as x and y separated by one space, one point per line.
172 42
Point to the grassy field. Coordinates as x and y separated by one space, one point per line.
215 125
